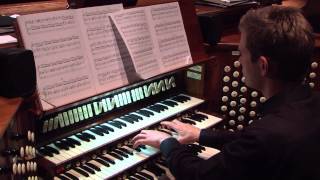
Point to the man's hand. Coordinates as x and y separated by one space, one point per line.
150 137
186 133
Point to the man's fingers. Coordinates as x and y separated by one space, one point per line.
138 137
169 124
138 143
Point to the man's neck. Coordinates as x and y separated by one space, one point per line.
273 87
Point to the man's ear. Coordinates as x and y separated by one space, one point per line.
263 65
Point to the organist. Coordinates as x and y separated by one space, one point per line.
284 143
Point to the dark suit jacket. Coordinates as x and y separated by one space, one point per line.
283 145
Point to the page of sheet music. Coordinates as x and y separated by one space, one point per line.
63 73
155 37
134 28
102 47
170 36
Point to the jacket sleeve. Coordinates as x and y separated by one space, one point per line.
240 157
216 139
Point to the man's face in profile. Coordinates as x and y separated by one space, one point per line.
250 70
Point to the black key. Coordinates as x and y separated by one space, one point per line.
45 152
162 106
52 150
135 116
121 123
82 172
61 145
106 127
126 150
145 175
102 130
107 159
93 166
102 162
127 119
188 121
145 112
70 176
90 136
68 143
82 137
87 169
117 125
181 98
115 155
121 153
169 103
62 177
198 116
97 132
76 142
154 108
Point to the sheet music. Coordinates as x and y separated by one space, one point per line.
102 47
134 28
155 37
63 73
171 39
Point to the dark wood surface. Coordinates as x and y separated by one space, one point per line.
8 108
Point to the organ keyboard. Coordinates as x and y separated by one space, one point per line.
90 138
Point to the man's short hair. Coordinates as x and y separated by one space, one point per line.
284 36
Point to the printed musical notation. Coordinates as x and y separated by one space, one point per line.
155 37
83 52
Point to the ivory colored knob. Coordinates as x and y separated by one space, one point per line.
253 104
236 64
254 94
243 89
226 79
23 168
241 118
234 83
232 113
234 94
14 168
312 75
236 74
233 103
263 99
240 127
242 110
311 84
227 69
243 79
224 98
243 100
314 65
232 122
22 152
252 113
19 168
225 89
224 108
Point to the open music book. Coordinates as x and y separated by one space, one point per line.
83 52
